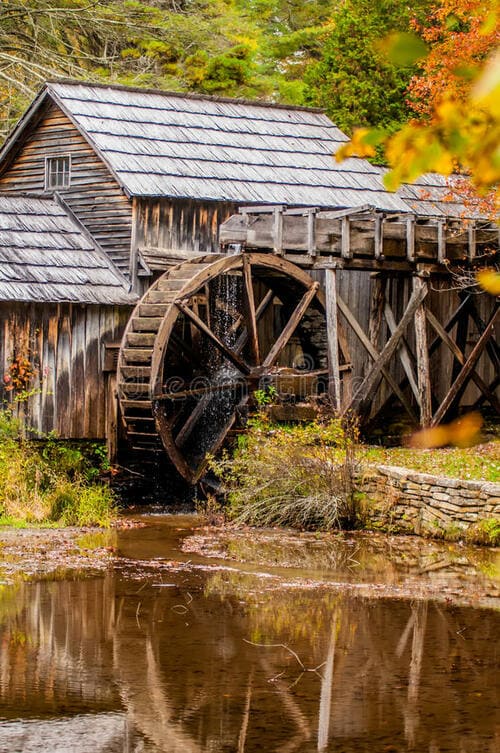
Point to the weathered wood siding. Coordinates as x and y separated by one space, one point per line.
65 344
94 196
181 224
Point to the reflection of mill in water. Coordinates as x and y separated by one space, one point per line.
160 668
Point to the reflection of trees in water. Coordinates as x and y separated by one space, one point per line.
417 676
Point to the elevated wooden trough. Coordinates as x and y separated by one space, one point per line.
363 238
403 252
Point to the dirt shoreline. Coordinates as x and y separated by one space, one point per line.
39 552
373 565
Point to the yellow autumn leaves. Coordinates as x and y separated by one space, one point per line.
489 280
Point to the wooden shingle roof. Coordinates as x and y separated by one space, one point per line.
46 256
185 146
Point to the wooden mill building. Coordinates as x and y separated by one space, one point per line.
104 189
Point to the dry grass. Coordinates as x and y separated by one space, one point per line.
290 476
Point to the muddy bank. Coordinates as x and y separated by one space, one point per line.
40 552
367 564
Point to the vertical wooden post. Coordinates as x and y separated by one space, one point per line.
278 231
441 239
471 232
379 236
410 238
332 337
422 352
311 240
345 249
377 308
111 416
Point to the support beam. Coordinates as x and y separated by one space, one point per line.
278 231
404 353
465 373
492 347
453 347
379 237
377 309
370 381
441 239
332 338
422 352
290 326
345 249
375 355
410 238
450 323
311 232
471 232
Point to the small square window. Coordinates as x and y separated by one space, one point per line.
57 172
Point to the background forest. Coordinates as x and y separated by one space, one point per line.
377 65
317 52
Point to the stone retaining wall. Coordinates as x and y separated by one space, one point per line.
423 503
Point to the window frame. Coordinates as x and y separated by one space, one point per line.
48 159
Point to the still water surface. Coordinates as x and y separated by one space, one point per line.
258 647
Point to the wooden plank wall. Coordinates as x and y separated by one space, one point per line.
94 196
181 224
65 342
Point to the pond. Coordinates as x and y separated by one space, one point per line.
226 641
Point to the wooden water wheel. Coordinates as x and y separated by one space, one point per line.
208 334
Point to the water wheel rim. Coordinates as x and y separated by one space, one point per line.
213 268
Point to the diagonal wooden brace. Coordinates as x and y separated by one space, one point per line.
389 349
453 347
465 373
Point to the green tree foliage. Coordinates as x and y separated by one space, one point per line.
354 79
258 48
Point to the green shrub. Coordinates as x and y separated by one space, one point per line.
84 506
485 532
48 483
298 476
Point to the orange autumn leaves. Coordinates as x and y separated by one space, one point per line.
463 432
457 98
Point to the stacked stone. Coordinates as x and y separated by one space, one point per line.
415 501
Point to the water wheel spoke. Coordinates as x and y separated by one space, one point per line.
290 326
259 313
251 314
202 405
219 439
185 432
225 350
